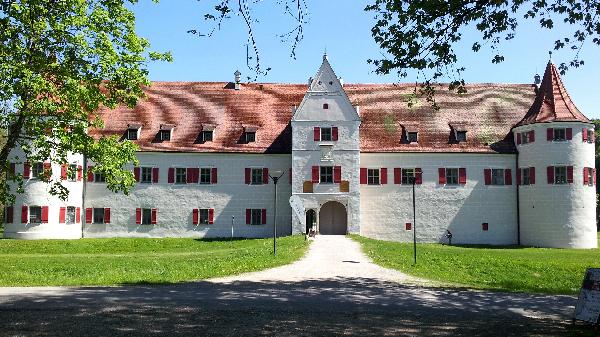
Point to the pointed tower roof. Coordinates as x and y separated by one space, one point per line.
552 102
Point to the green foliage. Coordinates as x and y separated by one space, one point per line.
126 261
424 35
534 270
61 62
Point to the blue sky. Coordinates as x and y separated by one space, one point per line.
344 29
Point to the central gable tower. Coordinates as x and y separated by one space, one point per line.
326 155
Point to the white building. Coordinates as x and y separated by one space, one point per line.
503 164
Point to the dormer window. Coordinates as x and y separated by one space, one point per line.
325 106
207 136
412 137
164 135
250 134
460 132
206 133
461 136
133 131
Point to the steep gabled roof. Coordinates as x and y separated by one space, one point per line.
552 102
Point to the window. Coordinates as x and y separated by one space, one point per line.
560 174
257 176
407 175
326 175
98 215
250 137
37 169
451 176
373 176
180 175
589 176
99 177
72 172
461 136
326 134
526 176
70 219
325 106
590 136
146 175
560 135
203 216
35 214
205 176
207 136
164 135
256 217
527 137
412 137
146 216
132 134
497 176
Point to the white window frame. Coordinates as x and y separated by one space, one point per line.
203 216
247 138
590 136
526 176
204 135
142 175
37 169
525 137
146 216
498 177
406 174
209 169
178 175
256 172
450 177
460 132
416 136
97 214
255 216
590 172
70 215
164 135
33 210
558 181
322 134
373 176
324 174
130 132
556 136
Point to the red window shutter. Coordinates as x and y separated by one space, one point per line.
550 174
171 175
442 175
383 176
586 176
418 176
153 216
532 175
531 136
88 215
462 175
63 172
265 175
138 216
213 175
192 175
408 226
518 138
508 177
594 175
26 171
155 175
79 172
485 226
570 174
195 216
487 174
334 133
9 214
48 168
248 171
584 134
248 216
363 176
549 134
107 215
315 174
397 175
569 134
136 174
263 215
337 174
44 214
24 214
211 216
317 134
519 176
62 215
78 215
90 174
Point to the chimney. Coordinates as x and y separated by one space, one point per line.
238 76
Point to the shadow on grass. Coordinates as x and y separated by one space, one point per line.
487 246
314 307
221 239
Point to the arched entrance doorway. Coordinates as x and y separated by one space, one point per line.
311 219
333 219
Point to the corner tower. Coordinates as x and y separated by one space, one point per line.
325 157
555 170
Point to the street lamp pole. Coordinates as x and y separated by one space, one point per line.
275 179
414 221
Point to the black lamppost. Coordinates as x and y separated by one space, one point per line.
275 177
413 180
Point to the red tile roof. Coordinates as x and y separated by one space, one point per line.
488 111
552 102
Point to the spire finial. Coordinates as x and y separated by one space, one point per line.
550 56
325 54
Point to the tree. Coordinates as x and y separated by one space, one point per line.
424 34
62 60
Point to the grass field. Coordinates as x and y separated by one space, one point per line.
534 270
133 261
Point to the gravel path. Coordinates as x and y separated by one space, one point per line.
334 290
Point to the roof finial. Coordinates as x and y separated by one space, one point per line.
325 54
550 56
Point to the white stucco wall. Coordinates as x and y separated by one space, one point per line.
229 197
557 215
462 209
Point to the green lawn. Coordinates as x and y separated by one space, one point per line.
132 261
534 270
